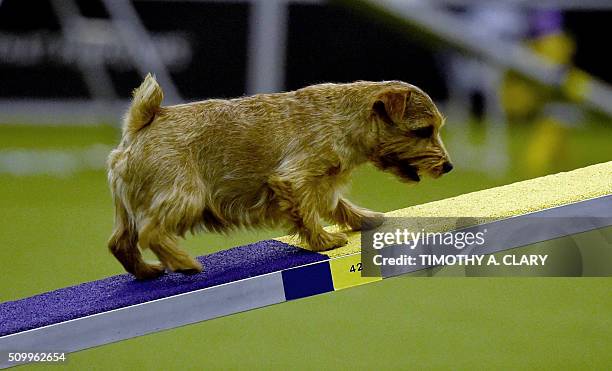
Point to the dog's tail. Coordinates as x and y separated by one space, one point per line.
146 101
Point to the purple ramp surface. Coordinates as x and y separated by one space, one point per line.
123 290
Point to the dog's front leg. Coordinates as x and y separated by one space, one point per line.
355 217
300 204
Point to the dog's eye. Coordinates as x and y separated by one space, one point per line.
424 132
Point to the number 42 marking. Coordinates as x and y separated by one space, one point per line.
356 267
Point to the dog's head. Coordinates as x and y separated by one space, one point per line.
408 124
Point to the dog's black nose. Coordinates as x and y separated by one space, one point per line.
446 167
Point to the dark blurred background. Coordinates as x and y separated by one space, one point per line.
325 42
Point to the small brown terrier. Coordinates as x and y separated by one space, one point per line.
264 160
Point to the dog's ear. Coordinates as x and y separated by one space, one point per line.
390 106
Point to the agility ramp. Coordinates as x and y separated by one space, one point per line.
263 273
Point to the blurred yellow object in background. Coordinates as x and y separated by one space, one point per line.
519 97
576 85
547 146
556 47
522 98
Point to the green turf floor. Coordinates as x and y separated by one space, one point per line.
53 232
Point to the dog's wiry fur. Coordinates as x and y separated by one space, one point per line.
264 160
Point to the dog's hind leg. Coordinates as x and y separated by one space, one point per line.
123 244
164 245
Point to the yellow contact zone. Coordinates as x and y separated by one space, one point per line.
347 271
499 202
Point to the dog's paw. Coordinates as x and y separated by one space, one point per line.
327 241
188 266
147 271
371 220
365 220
